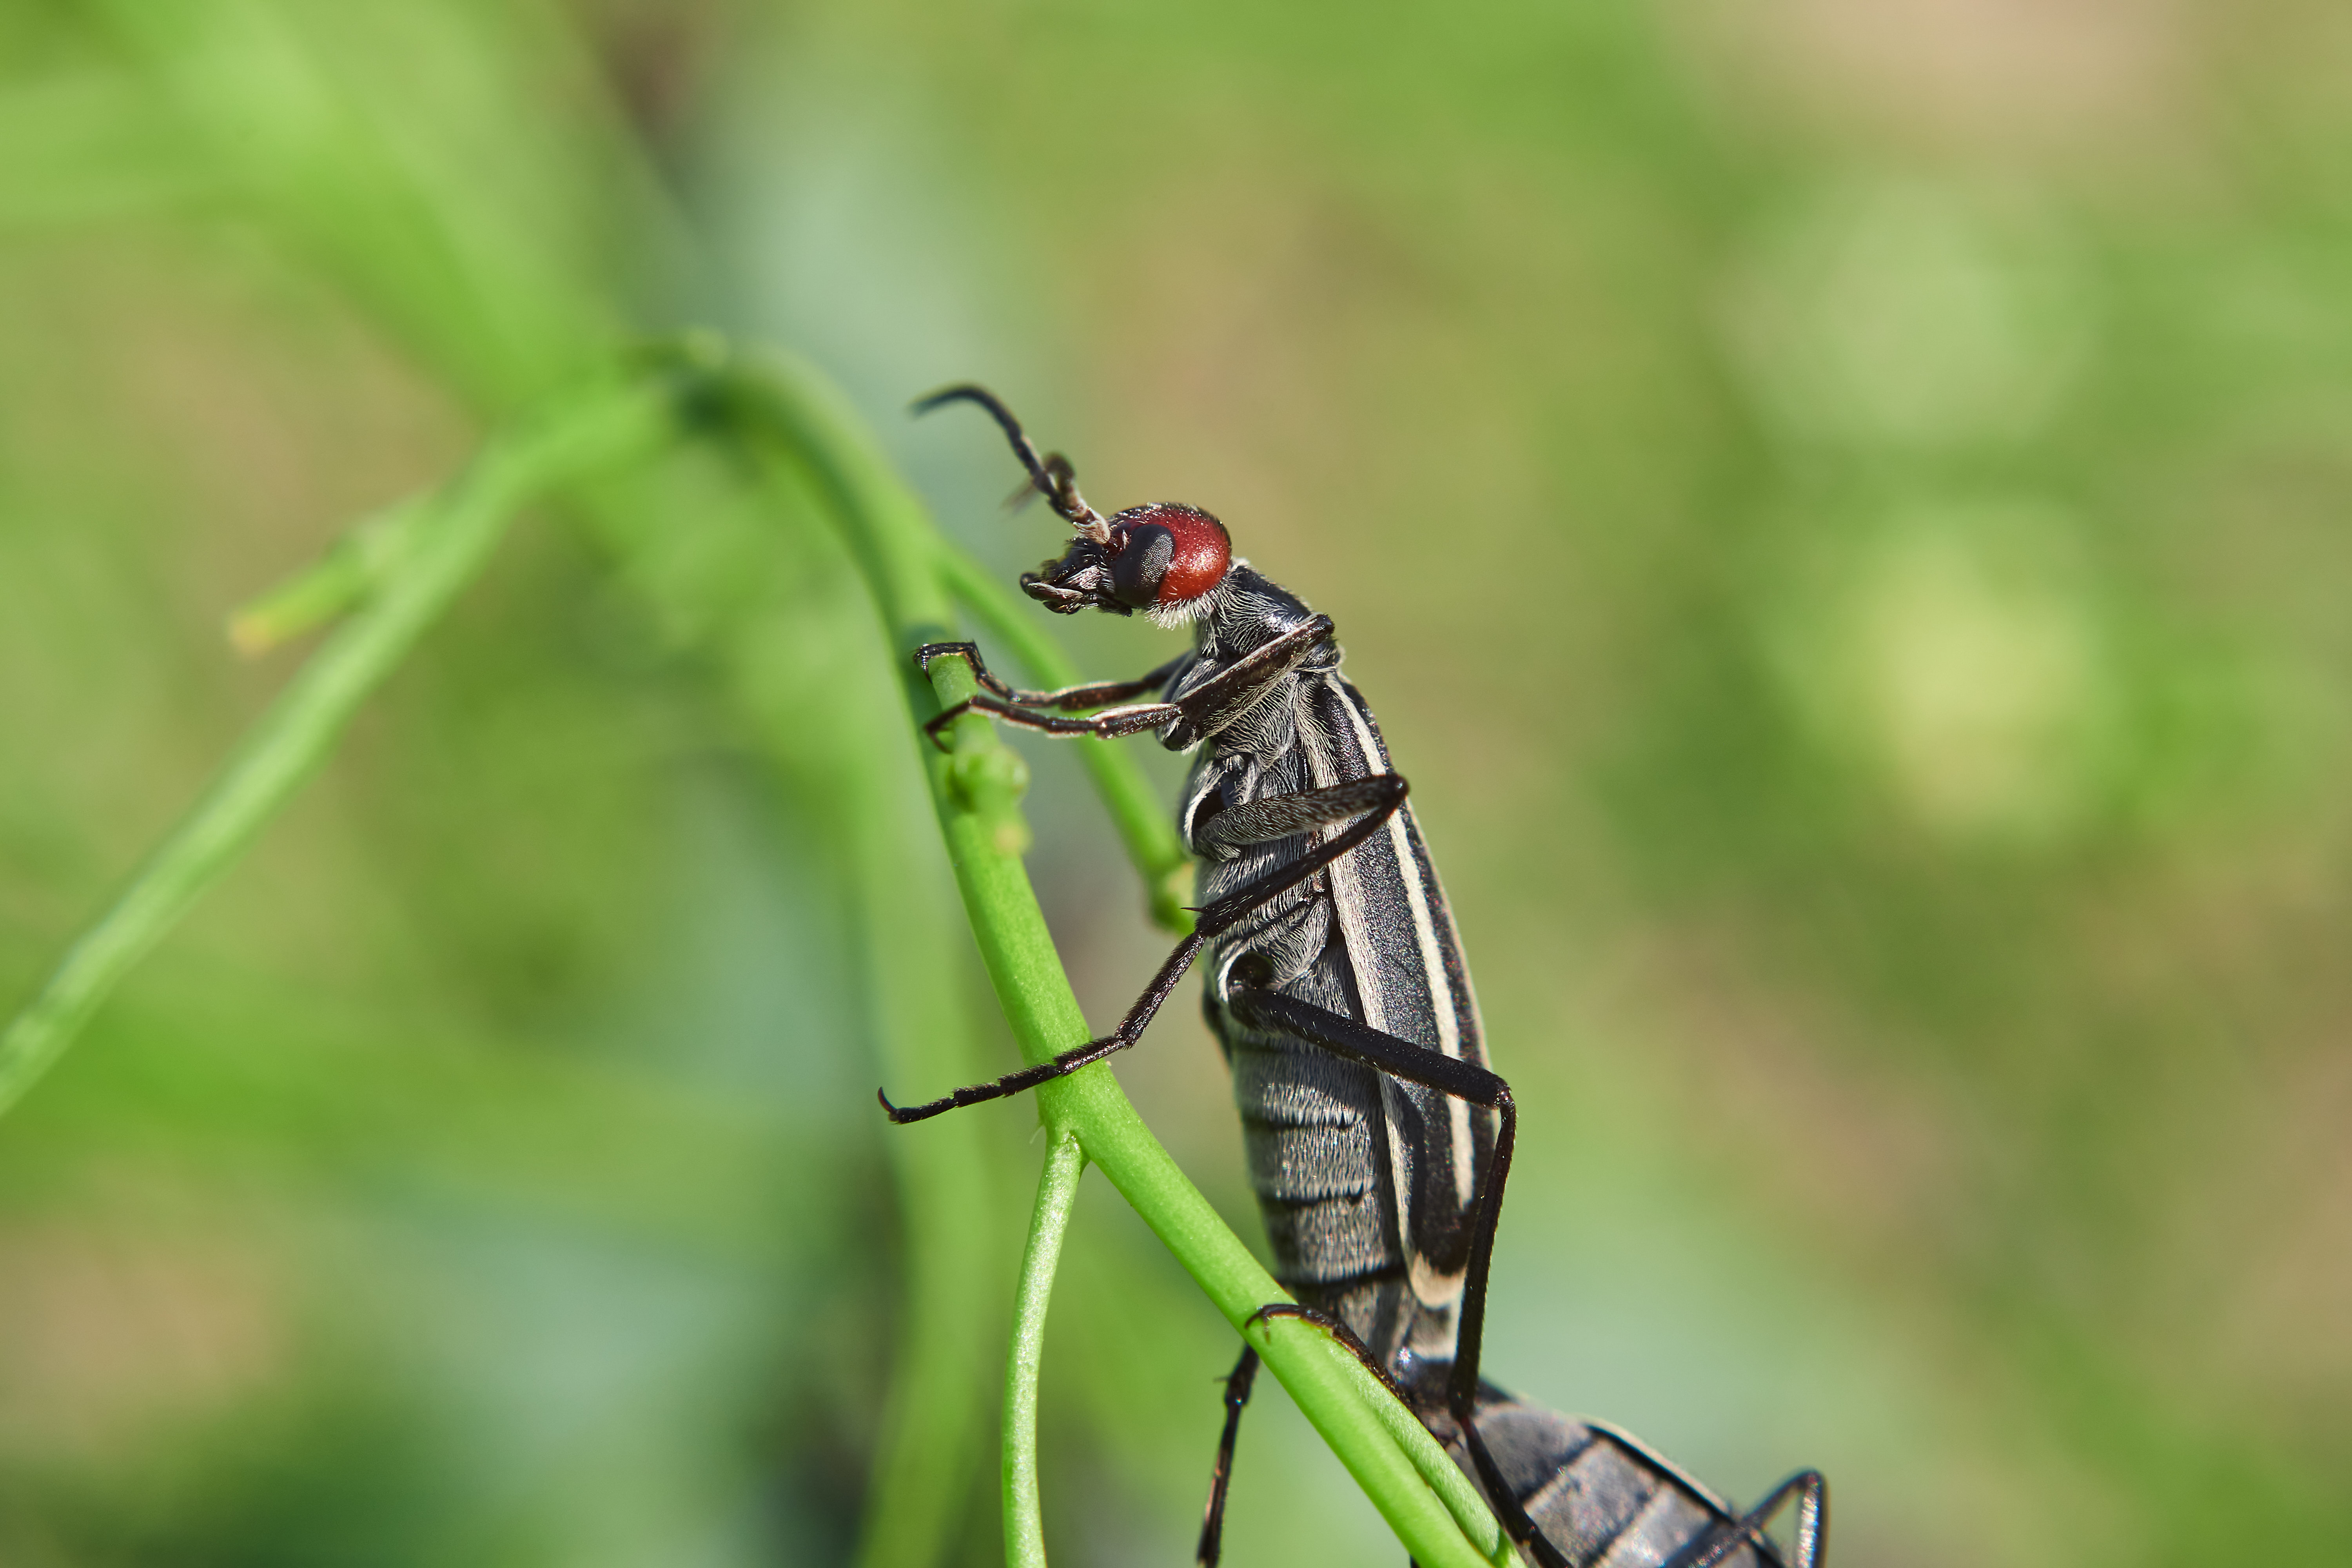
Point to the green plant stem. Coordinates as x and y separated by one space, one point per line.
1417 1488
931 1440
601 424
1136 810
368 552
1425 1498
1058 1189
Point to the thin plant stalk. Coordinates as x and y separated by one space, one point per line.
1058 1191
449 538
390 574
929 1450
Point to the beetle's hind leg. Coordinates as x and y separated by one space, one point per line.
1213 1519
1347 1337
1400 1058
1237 1392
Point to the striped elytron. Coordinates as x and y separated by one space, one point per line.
1378 1140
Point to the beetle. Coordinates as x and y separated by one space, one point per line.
1379 1139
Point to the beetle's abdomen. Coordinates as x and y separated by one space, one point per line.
1307 1121
1311 1122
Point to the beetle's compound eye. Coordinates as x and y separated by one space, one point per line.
1253 971
1163 555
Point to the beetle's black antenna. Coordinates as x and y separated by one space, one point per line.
1050 472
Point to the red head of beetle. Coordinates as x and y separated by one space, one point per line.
1163 560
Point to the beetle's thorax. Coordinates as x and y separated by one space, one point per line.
1248 611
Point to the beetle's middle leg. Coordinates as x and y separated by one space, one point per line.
1374 799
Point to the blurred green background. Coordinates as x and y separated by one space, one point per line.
1832 504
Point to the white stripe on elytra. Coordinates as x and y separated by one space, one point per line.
1432 958
1325 773
1346 899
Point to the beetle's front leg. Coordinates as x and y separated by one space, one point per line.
1207 708
1068 698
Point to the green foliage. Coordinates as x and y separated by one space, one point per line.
451 536
1836 510
394 592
